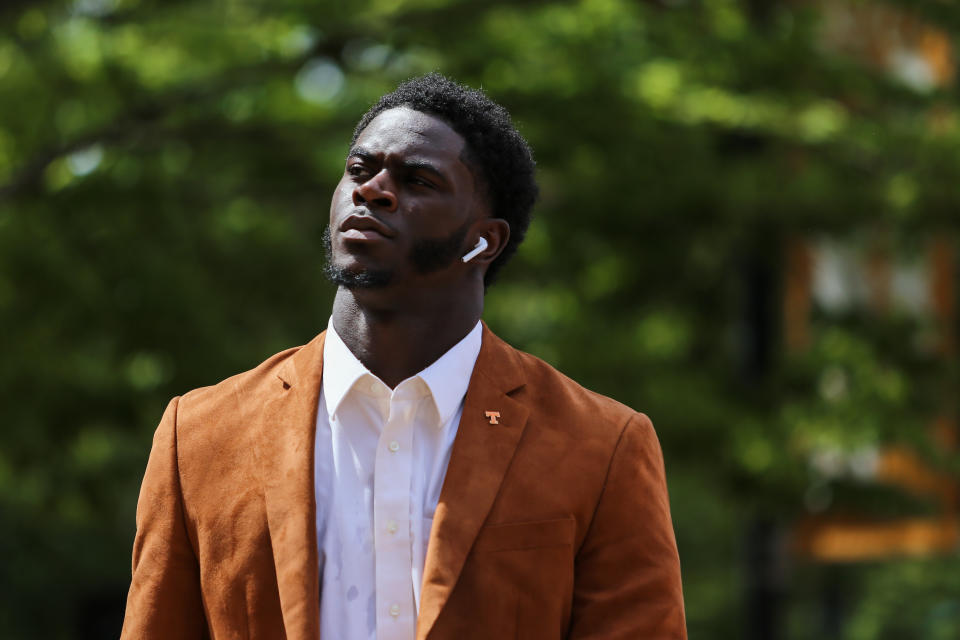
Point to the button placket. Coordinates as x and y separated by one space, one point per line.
392 541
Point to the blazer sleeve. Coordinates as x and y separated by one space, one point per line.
164 599
627 572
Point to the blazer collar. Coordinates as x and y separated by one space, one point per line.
284 452
481 454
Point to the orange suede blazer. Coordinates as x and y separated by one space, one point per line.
553 523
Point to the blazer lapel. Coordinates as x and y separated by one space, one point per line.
481 454
284 451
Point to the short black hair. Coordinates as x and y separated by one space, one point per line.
496 153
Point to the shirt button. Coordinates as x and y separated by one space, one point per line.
374 387
394 610
392 526
394 446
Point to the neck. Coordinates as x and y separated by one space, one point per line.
396 341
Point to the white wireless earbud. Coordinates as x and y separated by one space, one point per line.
480 246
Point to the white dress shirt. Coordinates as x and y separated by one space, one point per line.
380 459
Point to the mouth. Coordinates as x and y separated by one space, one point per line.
364 227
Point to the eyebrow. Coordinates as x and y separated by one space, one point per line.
413 165
360 152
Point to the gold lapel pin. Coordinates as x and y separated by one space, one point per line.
493 416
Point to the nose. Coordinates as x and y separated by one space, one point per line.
377 191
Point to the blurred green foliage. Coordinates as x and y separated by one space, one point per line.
165 173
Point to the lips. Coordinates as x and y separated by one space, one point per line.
364 227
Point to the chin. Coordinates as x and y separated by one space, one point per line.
355 275
358 277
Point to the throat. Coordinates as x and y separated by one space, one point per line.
396 345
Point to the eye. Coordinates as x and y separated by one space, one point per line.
356 169
421 182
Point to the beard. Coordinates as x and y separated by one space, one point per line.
350 279
426 256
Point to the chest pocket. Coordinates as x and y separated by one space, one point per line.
517 536
519 578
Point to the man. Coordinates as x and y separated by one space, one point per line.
407 474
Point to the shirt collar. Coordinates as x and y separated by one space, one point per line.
447 378
341 370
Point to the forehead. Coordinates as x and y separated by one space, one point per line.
408 132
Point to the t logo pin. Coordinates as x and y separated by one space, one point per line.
492 416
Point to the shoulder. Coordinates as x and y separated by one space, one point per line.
218 429
564 405
573 437
550 384
231 407
227 396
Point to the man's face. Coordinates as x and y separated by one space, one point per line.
404 205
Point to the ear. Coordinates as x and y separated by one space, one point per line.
497 233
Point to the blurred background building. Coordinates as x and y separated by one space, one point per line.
748 229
